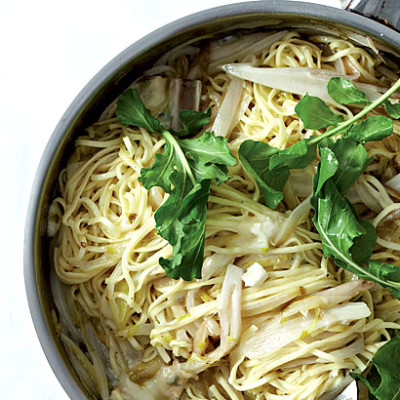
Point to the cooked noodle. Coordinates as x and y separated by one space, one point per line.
297 334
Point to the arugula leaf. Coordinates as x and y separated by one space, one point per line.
384 382
315 114
373 128
255 157
326 170
352 160
387 272
393 110
208 157
344 92
343 161
209 171
167 215
270 167
192 122
297 156
181 219
363 246
160 172
188 239
131 111
208 148
343 127
339 229
184 170
337 225
347 238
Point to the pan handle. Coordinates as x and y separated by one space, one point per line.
386 11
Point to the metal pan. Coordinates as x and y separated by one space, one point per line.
116 76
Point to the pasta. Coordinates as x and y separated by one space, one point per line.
271 318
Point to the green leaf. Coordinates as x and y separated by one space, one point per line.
392 109
387 272
187 259
342 127
207 149
297 156
361 251
326 169
344 92
336 223
384 270
384 382
347 238
167 215
270 166
315 114
340 230
131 111
192 122
184 170
160 172
255 158
373 128
209 171
208 156
352 160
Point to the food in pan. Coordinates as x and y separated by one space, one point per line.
229 228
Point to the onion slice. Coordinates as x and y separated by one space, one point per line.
226 114
394 183
299 81
273 334
329 297
239 48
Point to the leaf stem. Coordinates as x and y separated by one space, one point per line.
363 112
170 138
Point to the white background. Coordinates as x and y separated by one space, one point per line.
48 51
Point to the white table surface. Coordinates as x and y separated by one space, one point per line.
49 51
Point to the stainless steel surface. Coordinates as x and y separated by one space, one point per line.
111 80
387 11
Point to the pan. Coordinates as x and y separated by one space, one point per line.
376 20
